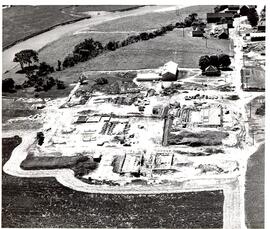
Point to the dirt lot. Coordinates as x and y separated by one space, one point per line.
22 21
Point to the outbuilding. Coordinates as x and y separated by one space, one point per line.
257 36
212 71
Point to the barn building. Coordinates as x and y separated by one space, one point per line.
169 71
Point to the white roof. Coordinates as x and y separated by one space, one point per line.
170 67
257 34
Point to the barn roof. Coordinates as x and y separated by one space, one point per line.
219 15
170 67
257 34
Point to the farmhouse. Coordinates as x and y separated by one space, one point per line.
212 71
257 36
216 17
169 71
253 78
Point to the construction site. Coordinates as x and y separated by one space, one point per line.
144 133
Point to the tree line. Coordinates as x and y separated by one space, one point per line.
219 61
37 76
90 48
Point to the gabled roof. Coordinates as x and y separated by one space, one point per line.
211 68
170 67
257 34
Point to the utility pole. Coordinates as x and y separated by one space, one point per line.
250 110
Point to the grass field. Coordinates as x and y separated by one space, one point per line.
20 22
186 51
59 49
42 202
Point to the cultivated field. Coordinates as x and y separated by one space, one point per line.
254 194
20 22
153 20
35 202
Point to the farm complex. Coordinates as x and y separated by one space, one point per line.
155 110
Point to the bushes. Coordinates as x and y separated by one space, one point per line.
69 61
60 85
8 85
222 60
44 69
204 62
101 81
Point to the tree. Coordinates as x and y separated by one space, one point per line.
8 85
60 85
214 60
44 69
224 60
144 36
244 10
204 62
188 21
101 81
69 61
112 45
195 24
253 17
58 65
40 138
26 56
193 16
169 27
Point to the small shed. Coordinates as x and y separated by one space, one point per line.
212 71
169 71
